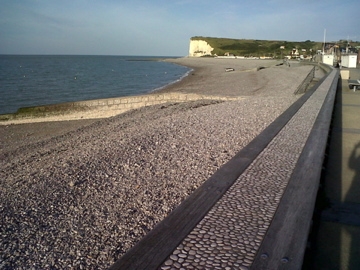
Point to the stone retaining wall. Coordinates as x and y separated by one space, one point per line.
117 105
133 102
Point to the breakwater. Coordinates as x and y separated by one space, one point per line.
112 106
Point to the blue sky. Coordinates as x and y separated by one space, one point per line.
164 27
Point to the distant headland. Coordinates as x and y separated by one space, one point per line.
254 48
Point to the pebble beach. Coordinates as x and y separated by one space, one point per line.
78 194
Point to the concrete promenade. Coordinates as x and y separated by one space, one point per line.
82 197
255 212
252 212
338 236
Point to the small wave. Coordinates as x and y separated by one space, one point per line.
59 79
177 80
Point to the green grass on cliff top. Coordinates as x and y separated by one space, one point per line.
254 47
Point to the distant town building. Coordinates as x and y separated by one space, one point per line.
328 59
349 60
295 53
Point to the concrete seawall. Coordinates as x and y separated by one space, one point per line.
112 106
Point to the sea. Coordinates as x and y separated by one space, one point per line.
34 80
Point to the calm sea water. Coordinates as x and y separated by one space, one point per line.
39 80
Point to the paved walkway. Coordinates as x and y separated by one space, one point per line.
338 239
236 230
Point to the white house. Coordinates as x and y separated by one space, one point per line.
328 59
349 60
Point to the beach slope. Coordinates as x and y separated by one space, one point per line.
81 193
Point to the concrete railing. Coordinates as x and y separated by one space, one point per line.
285 241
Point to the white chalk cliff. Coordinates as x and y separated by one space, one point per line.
199 48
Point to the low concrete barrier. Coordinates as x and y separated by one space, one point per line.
117 105
284 244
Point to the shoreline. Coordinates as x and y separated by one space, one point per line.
80 194
116 77
88 114
198 74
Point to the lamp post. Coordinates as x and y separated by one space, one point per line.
323 52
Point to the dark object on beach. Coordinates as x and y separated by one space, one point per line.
354 84
229 69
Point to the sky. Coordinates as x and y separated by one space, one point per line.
164 27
